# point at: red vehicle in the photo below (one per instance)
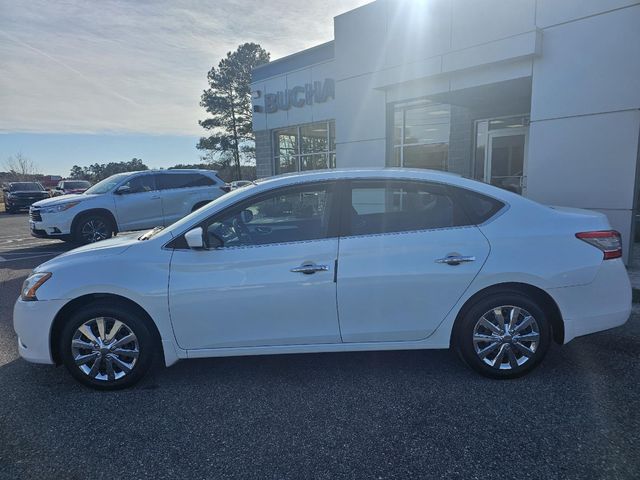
(65, 187)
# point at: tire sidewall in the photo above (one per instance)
(464, 333)
(137, 325)
(82, 219)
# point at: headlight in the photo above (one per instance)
(32, 284)
(10, 195)
(59, 208)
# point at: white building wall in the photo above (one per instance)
(585, 109)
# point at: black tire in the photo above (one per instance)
(132, 323)
(92, 228)
(491, 308)
(10, 211)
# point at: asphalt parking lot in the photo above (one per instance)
(418, 414)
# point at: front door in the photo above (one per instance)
(270, 282)
(138, 205)
(396, 278)
(505, 164)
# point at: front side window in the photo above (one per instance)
(183, 180)
(140, 184)
(305, 147)
(401, 206)
(291, 214)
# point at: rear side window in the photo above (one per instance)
(184, 180)
(478, 207)
(381, 206)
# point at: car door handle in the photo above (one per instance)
(456, 259)
(309, 268)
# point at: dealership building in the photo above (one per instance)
(541, 97)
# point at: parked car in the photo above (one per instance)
(20, 195)
(425, 260)
(125, 201)
(66, 187)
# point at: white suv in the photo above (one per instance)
(125, 201)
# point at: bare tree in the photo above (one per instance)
(21, 167)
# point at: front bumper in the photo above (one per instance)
(32, 323)
(48, 225)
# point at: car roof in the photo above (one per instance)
(390, 173)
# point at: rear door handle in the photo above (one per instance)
(309, 268)
(456, 259)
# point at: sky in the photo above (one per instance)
(84, 81)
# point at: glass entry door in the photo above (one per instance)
(506, 152)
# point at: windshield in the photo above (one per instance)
(77, 184)
(107, 184)
(25, 187)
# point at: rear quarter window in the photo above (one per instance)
(478, 207)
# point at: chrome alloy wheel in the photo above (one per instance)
(506, 337)
(94, 230)
(105, 349)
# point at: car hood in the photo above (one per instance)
(49, 202)
(104, 248)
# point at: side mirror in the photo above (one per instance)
(195, 238)
(123, 189)
(5, 190)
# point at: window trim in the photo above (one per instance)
(333, 226)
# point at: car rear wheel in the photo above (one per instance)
(106, 347)
(504, 335)
(92, 228)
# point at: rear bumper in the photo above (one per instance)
(603, 304)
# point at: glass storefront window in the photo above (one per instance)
(305, 147)
(421, 136)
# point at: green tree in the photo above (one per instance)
(228, 100)
(100, 171)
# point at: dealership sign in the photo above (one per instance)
(298, 96)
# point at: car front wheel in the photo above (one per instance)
(92, 228)
(504, 335)
(106, 347)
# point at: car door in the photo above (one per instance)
(138, 203)
(271, 280)
(395, 279)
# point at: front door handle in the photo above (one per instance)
(309, 268)
(456, 259)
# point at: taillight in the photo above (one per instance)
(608, 241)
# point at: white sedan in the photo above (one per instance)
(341, 260)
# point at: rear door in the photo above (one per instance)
(397, 275)
(181, 192)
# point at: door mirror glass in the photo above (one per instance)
(194, 238)
(123, 189)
